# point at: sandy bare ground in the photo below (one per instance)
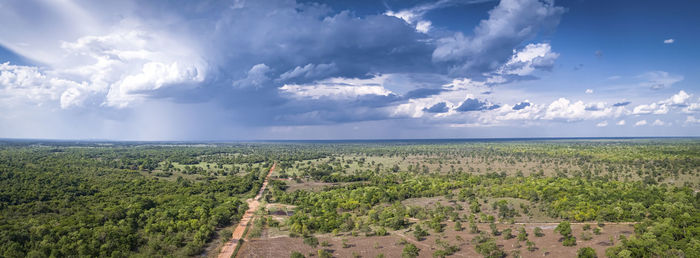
(550, 245)
(228, 248)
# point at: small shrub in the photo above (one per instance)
(538, 232)
(508, 233)
(570, 241)
(410, 251)
(296, 254)
(586, 252)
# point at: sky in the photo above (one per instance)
(305, 69)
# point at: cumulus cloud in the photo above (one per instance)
(602, 124)
(509, 24)
(338, 88)
(256, 77)
(621, 122)
(564, 109)
(669, 41)
(679, 99)
(27, 84)
(640, 123)
(530, 58)
(589, 91)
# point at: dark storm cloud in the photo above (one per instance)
(521, 105)
(437, 108)
(422, 93)
(621, 104)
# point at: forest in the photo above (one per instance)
(602, 198)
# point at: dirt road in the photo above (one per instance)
(227, 250)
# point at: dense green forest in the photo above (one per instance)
(172, 199)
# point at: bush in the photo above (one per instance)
(311, 241)
(226, 235)
(296, 254)
(324, 254)
(531, 246)
(538, 232)
(596, 231)
(419, 233)
(508, 233)
(570, 241)
(586, 252)
(586, 236)
(410, 251)
(522, 234)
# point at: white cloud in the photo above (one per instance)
(153, 76)
(621, 122)
(509, 24)
(528, 59)
(692, 107)
(309, 71)
(589, 91)
(566, 110)
(602, 124)
(654, 108)
(423, 26)
(679, 98)
(640, 123)
(416, 14)
(658, 122)
(338, 88)
(659, 79)
(662, 107)
(255, 77)
(669, 41)
(28, 85)
(692, 120)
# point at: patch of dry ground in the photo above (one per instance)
(275, 245)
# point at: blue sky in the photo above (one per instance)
(284, 69)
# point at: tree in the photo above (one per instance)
(522, 234)
(564, 228)
(419, 233)
(410, 251)
(296, 254)
(586, 252)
